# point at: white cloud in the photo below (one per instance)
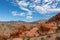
(57, 0)
(43, 9)
(46, 0)
(29, 13)
(25, 9)
(54, 5)
(40, 9)
(17, 14)
(22, 3)
(14, 13)
(46, 8)
(37, 1)
(29, 17)
(22, 14)
(32, 5)
(56, 10)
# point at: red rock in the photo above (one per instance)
(55, 18)
(32, 32)
(47, 28)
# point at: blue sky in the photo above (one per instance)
(28, 10)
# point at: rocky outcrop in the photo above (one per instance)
(24, 32)
(55, 18)
(47, 28)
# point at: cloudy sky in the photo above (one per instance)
(28, 10)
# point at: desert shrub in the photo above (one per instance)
(58, 27)
(42, 38)
(57, 38)
(49, 36)
(26, 38)
(2, 24)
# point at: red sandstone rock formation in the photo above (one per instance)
(23, 32)
(19, 32)
(32, 32)
(22, 29)
(46, 28)
(55, 18)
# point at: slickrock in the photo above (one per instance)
(47, 28)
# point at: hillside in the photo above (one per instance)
(55, 18)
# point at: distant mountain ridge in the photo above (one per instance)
(12, 21)
(34, 22)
